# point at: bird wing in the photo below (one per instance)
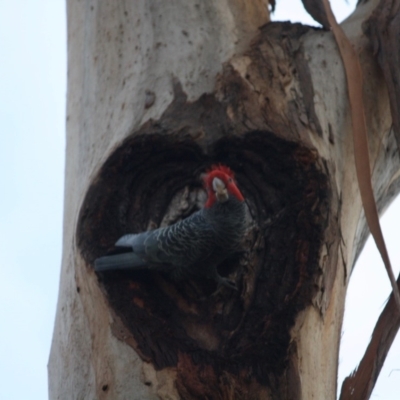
(185, 243)
(136, 242)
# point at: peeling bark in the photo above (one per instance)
(316, 9)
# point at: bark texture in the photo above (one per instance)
(157, 92)
(383, 29)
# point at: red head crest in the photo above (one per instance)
(226, 175)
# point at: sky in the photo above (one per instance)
(32, 120)
(32, 157)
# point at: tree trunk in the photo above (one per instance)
(157, 92)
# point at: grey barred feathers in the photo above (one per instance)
(192, 247)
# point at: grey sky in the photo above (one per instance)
(32, 112)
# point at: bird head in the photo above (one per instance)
(219, 182)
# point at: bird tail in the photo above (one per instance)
(124, 261)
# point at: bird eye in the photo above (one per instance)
(230, 180)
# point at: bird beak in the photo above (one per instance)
(220, 190)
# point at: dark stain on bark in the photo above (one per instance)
(307, 90)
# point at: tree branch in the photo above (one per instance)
(359, 385)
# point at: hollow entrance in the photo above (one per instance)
(154, 179)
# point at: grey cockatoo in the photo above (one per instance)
(194, 246)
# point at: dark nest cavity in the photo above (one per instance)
(154, 179)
